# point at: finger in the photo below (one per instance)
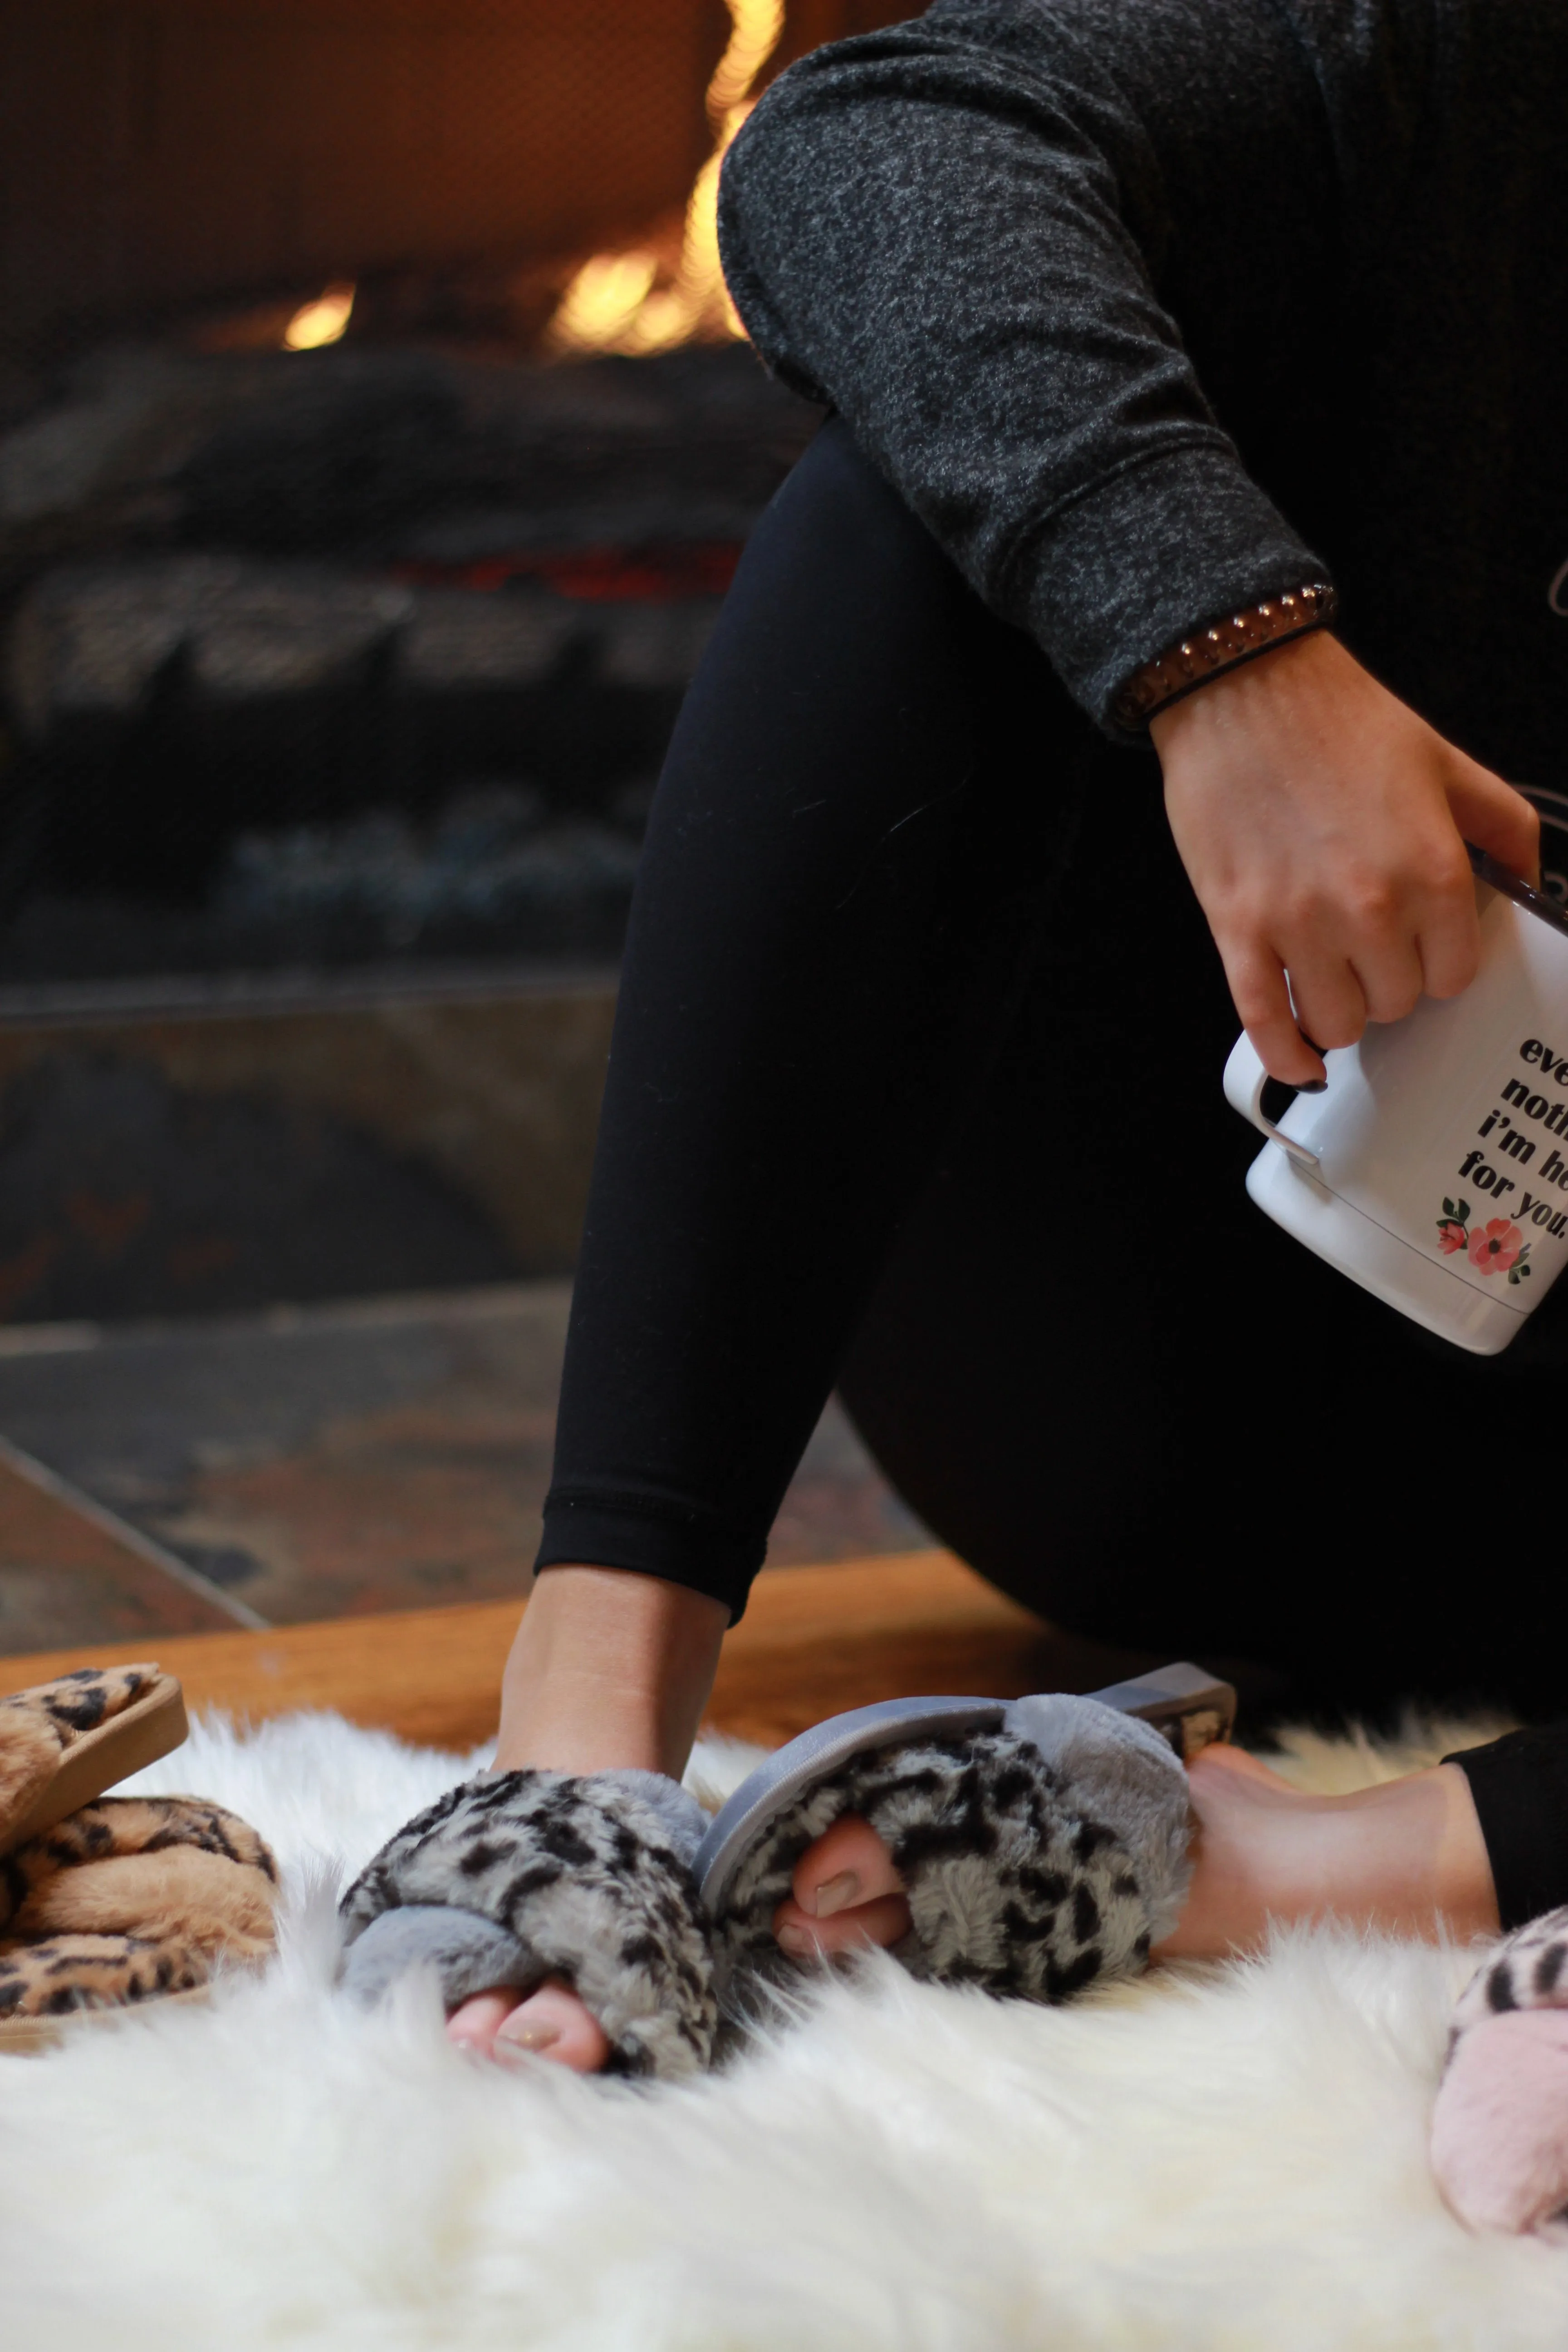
(1389, 973)
(847, 1864)
(553, 2023)
(1449, 944)
(869, 1925)
(1262, 1001)
(1330, 1004)
(1496, 818)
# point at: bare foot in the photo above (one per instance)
(1406, 1857)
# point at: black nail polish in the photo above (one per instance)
(1313, 1086)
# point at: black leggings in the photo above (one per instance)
(915, 1088)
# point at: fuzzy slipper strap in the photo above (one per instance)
(1034, 1865)
(129, 1899)
(587, 1876)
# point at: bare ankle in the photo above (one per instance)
(609, 1669)
(1405, 1858)
(1425, 1859)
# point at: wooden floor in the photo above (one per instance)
(814, 1640)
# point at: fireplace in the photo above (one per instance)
(374, 448)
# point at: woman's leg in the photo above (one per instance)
(863, 820)
(1090, 1358)
(854, 835)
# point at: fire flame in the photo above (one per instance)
(627, 301)
(325, 320)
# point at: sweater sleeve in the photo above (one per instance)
(952, 233)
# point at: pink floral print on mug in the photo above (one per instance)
(1496, 1247)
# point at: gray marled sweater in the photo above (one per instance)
(1153, 308)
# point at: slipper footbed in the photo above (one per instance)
(63, 1743)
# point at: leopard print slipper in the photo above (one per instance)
(1042, 1842)
(63, 1743)
(130, 1900)
(107, 1902)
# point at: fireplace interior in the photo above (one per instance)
(374, 449)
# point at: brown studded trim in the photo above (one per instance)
(1184, 667)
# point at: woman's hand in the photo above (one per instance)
(1323, 826)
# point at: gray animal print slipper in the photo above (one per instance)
(517, 1876)
(1042, 1842)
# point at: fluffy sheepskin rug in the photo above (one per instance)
(1214, 2159)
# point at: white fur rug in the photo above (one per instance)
(1229, 2159)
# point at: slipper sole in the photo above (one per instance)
(153, 1724)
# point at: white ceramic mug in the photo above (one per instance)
(1432, 1167)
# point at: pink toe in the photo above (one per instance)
(1499, 2130)
(554, 2025)
(473, 2025)
(848, 1863)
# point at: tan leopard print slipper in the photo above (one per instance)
(63, 1743)
(111, 1902)
(130, 1900)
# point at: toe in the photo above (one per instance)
(848, 1866)
(553, 2023)
(473, 2025)
(846, 1896)
(865, 1925)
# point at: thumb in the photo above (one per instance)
(1497, 819)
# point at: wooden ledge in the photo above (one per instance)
(813, 1642)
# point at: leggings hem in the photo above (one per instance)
(1520, 1785)
(651, 1540)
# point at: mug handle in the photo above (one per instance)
(1244, 1080)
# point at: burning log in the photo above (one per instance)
(633, 301)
